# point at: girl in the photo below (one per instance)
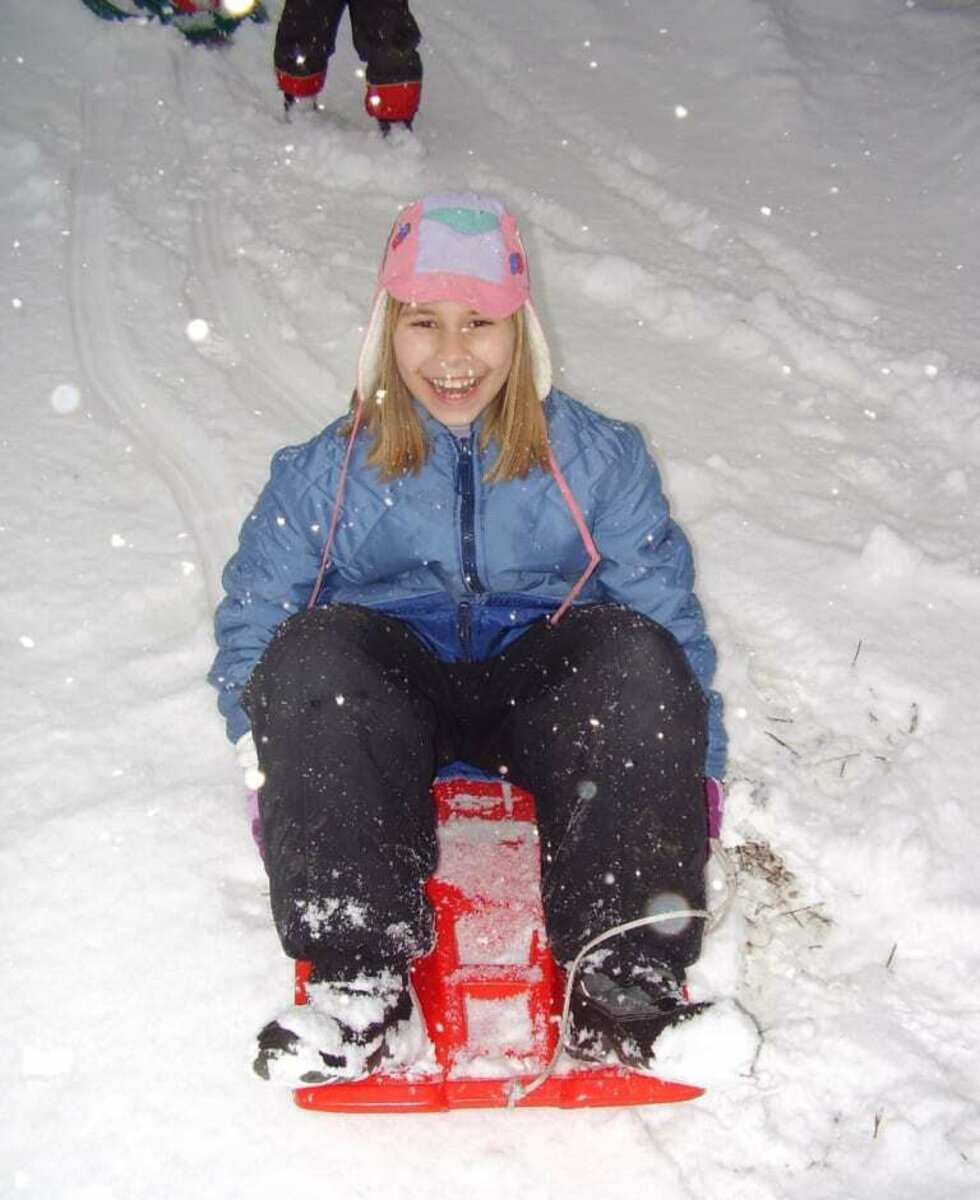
(470, 566)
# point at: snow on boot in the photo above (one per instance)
(624, 1012)
(347, 1030)
(716, 1050)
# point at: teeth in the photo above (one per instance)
(455, 385)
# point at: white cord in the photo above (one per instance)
(712, 919)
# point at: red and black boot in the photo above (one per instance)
(393, 103)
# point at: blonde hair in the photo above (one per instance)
(514, 419)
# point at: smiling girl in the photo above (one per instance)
(471, 567)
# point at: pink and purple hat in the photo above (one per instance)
(457, 246)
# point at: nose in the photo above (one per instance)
(453, 346)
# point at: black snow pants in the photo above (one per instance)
(599, 717)
(385, 35)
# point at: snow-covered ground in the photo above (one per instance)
(754, 228)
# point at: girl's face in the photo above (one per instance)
(452, 359)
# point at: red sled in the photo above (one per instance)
(490, 991)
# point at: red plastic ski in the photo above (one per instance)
(490, 991)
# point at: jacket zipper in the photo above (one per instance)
(466, 489)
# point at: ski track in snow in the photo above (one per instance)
(208, 497)
(278, 376)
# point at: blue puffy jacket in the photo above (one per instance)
(469, 566)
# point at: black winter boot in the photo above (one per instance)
(347, 1030)
(623, 1012)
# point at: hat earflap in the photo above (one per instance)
(540, 354)
(369, 361)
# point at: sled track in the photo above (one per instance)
(209, 498)
(279, 375)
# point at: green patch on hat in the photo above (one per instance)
(465, 220)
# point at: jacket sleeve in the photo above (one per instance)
(270, 576)
(647, 565)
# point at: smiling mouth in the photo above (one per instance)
(455, 391)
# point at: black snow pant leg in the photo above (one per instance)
(346, 739)
(602, 719)
(307, 35)
(386, 37)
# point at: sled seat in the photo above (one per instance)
(490, 991)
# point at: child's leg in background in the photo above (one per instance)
(386, 38)
(346, 730)
(601, 718)
(305, 39)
